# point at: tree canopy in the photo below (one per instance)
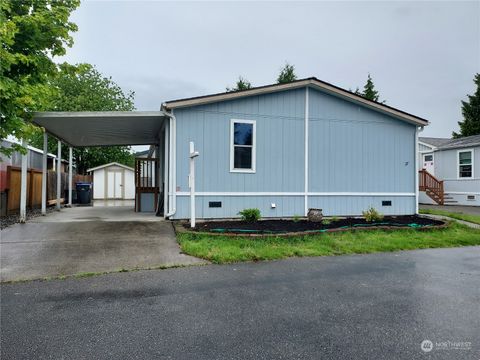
(84, 88)
(241, 84)
(369, 92)
(287, 74)
(31, 32)
(471, 113)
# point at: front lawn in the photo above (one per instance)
(227, 249)
(454, 215)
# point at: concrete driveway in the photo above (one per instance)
(88, 239)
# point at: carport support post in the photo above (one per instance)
(23, 184)
(44, 173)
(59, 174)
(70, 175)
(191, 178)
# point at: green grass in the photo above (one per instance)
(226, 249)
(454, 215)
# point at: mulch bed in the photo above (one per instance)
(290, 226)
(9, 220)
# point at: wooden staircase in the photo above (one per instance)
(432, 187)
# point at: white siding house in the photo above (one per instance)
(456, 162)
(113, 181)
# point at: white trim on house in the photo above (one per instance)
(254, 193)
(462, 193)
(471, 150)
(427, 145)
(252, 170)
(111, 164)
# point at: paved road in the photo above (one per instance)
(379, 306)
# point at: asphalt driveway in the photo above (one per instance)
(378, 306)
(88, 239)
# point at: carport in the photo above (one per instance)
(110, 128)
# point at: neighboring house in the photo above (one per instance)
(456, 162)
(281, 148)
(113, 181)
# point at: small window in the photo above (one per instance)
(465, 164)
(242, 151)
(428, 158)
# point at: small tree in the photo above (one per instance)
(471, 113)
(287, 74)
(369, 91)
(242, 84)
(84, 88)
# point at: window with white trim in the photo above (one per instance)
(242, 146)
(465, 164)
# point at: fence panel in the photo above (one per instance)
(34, 187)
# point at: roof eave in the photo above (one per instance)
(312, 82)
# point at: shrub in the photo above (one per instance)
(250, 215)
(326, 222)
(296, 218)
(372, 215)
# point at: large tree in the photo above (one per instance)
(471, 113)
(31, 32)
(369, 92)
(84, 88)
(287, 74)
(241, 84)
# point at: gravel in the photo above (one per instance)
(12, 219)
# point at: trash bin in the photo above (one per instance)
(83, 193)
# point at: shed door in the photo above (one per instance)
(115, 185)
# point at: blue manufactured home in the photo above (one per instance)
(287, 148)
(282, 148)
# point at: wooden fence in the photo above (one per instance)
(34, 187)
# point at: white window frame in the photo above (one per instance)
(426, 154)
(458, 164)
(252, 170)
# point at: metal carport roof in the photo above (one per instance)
(103, 128)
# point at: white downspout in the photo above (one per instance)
(417, 130)
(172, 176)
(306, 150)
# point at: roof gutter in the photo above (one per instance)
(172, 177)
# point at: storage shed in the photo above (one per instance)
(113, 181)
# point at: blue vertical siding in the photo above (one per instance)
(351, 149)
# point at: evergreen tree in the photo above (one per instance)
(287, 74)
(242, 84)
(369, 91)
(471, 113)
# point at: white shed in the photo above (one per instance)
(113, 181)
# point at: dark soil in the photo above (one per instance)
(284, 226)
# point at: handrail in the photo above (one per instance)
(432, 186)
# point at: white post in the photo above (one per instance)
(306, 151)
(23, 185)
(59, 174)
(70, 175)
(44, 173)
(191, 183)
(166, 182)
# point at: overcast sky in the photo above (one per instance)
(422, 56)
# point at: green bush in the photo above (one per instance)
(372, 215)
(250, 215)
